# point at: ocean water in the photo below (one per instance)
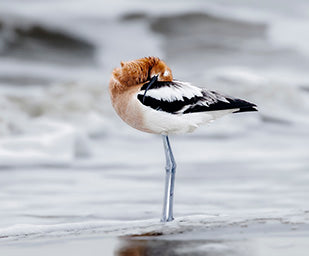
(69, 166)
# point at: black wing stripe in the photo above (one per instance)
(242, 105)
(167, 106)
(177, 105)
(207, 101)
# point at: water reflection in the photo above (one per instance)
(131, 246)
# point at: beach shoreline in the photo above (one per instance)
(262, 238)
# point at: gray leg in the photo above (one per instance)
(170, 168)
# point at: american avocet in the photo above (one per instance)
(147, 98)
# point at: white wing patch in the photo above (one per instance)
(211, 98)
(172, 93)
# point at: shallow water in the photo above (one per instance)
(55, 200)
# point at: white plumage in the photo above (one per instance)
(177, 92)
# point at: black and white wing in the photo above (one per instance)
(183, 98)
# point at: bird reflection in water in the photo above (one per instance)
(133, 246)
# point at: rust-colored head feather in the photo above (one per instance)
(142, 70)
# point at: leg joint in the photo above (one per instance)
(171, 167)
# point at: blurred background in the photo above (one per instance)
(66, 157)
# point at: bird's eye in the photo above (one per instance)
(166, 73)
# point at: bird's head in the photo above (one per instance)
(142, 70)
(161, 71)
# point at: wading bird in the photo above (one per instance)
(145, 95)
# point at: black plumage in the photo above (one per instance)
(185, 98)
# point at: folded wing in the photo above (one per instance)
(183, 98)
